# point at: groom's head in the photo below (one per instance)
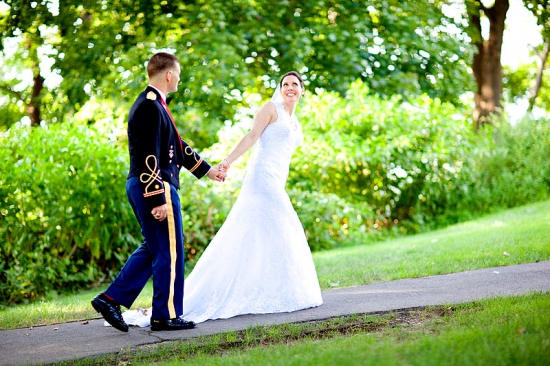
(163, 70)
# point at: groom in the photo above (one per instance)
(157, 153)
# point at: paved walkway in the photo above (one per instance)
(70, 341)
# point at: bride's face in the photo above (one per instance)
(291, 89)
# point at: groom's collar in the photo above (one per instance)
(159, 92)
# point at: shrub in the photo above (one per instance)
(405, 161)
(65, 221)
(369, 168)
(64, 218)
(414, 165)
(516, 170)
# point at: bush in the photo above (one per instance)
(65, 221)
(404, 161)
(414, 165)
(64, 218)
(516, 170)
(331, 221)
(369, 168)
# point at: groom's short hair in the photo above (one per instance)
(160, 62)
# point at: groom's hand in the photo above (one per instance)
(216, 174)
(159, 212)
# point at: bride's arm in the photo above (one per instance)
(264, 117)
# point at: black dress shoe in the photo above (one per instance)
(110, 312)
(172, 324)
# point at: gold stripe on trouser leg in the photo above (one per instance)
(173, 252)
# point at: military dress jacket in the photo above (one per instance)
(157, 152)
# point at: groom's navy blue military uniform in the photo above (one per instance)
(157, 153)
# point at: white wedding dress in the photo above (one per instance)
(259, 261)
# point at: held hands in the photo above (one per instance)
(224, 167)
(217, 174)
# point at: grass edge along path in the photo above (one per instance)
(512, 330)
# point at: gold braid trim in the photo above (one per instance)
(173, 250)
(196, 166)
(153, 193)
(190, 152)
(150, 178)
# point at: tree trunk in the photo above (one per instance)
(34, 105)
(486, 63)
(33, 108)
(540, 70)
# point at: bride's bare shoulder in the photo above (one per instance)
(268, 110)
(269, 106)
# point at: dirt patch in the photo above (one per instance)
(414, 318)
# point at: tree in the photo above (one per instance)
(31, 41)
(81, 37)
(230, 49)
(486, 64)
(541, 10)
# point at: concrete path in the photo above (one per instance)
(71, 341)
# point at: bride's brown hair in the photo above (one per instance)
(293, 73)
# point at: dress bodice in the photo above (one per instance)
(270, 161)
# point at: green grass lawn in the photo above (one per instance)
(499, 331)
(510, 331)
(520, 235)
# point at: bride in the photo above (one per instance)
(259, 261)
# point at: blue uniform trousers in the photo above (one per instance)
(160, 255)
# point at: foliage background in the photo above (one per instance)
(389, 149)
(369, 168)
(227, 50)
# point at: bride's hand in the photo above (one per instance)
(224, 165)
